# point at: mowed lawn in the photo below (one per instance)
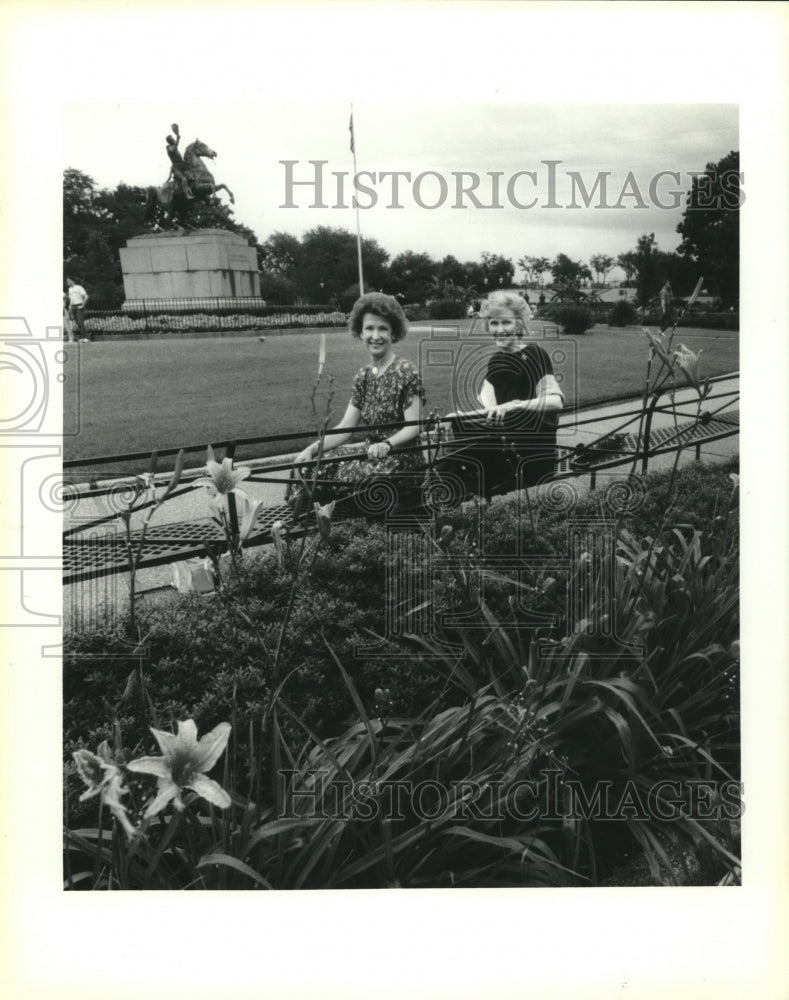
(138, 395)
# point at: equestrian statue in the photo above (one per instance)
(189, 181)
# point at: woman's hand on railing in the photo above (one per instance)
(379, 449)
(306, 455)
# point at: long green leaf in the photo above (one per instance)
(209, 860)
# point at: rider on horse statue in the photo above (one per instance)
(190, 183)
(178, 167)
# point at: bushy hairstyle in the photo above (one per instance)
(383, 306)
(498, 302)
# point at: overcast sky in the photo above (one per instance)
(630, 143)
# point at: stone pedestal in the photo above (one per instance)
(207, 263)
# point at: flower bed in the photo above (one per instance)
(650, 703)
(118, 322)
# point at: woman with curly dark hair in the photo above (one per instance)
(387, 390)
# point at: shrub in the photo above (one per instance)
(446, 309)
(276, 290)
(623, 314)
(416, 312)
(574, 320)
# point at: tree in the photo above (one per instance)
(280, 255)
(710, 227)
(526, 264)
(81, 217)
(540, 266)
(474, 275)
(601, 265)
(498, 270)
(629, 264)
(565, 269)
(95, 226)
(410, 276)
(647, 274)
(682, 272)
(277, 290)
(450, 269)
(329, 263)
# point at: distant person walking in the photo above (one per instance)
(68, 323)
(78, 297)
(666, 310)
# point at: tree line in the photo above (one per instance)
(320, 267)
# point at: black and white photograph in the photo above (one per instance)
(376, 499)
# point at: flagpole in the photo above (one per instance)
(356, 201)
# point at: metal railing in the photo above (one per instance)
(87, 556)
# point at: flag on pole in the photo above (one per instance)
(350, 129)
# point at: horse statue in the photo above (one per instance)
(185, 185)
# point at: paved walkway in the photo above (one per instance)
(110, 594)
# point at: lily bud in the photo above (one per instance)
(279, 542)
(178, 469)
(131, 686)
(657, 346)
(323, 516)
(248, 521)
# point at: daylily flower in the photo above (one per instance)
(96, 770)
(194, 576)
(222, 477)
(183, 764)
(103, 777)
(689, 363)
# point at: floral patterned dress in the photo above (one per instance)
(380, 399)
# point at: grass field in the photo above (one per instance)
(138, 395)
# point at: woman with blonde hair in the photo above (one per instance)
(519, 394)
